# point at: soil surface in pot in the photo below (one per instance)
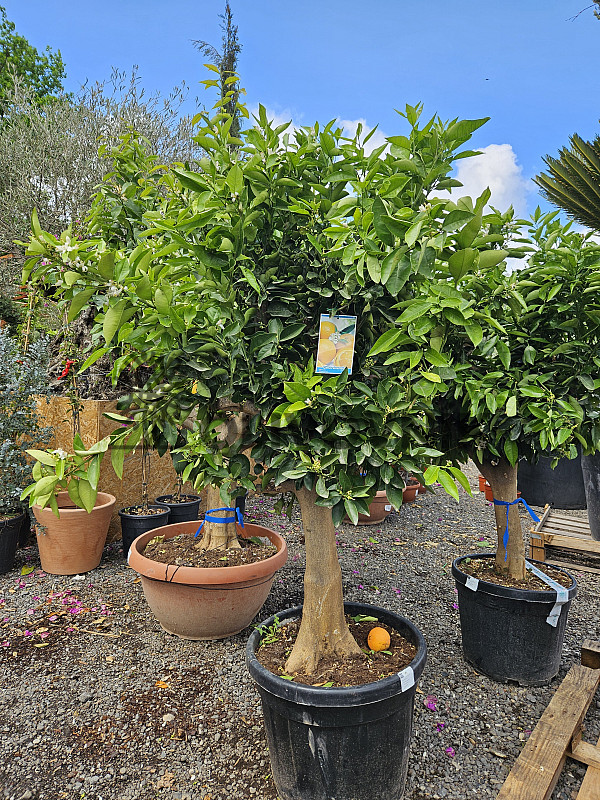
(334, 673)
(486, 571)
(173, 500)
(184, 551)
(138, 511)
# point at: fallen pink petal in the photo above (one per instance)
(450, 751)
(430, 702)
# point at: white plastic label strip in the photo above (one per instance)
(407, 678)
(562, 594)
(472, 583)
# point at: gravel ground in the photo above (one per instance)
(97, 701)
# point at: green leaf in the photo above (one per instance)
(351, 510)
(491, 258)
(112, 320)
(461, 262)
(503, 353)
(79, 301)
(394, 495)
(415, 310)
(412, 234)
(235, 179)
(87, 494)
(474, 332)
(511, 406)
(106, 265)
(447, 484)
(431, 376)
(93, 471)
(44, 457)
(143, 288)
(511, 451)
(386, 342)
(374, 268)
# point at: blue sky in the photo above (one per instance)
(524, 63)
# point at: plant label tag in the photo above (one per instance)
(407, 678)
(472, 583)
(388, 508)
(335, 352)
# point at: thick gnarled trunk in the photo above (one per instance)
(323, 630)
(502, 477)
(216, 535)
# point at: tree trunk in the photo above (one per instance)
(323, 630)
(216, 535)
(502, 477)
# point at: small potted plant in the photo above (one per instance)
(144, 516)
(22, 378)
(72, 514)
(183, 507)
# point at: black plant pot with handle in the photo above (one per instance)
(352, 742)
(10, 530)
(561, 487)
(133, 525)
(590, 467)
(181, 512)
(511, 634)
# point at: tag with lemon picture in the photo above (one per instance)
(336, 344)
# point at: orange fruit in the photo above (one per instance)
(326, 351)
(343, 358)
(378, 639)
(327, 328)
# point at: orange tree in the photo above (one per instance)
(221, 292)
(525, 371)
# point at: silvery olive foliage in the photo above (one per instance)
(22, 378)
(50, 159)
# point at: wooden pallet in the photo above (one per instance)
(558, 736)
(568, 533)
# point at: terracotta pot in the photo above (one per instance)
(73, 543)
(211, 602)
(482, 483)
(379, 509)
(411, 490)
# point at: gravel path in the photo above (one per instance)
(96, 701)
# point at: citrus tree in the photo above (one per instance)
(221, 294)
(523, 371)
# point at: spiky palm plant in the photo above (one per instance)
(573, 182)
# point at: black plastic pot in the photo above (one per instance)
(590, 467)
(240, 502)
(505, 633)
(133, 525)
(562, 487)
(10, 530)
(350, 743)
(181, 512)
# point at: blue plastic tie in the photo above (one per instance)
(237, 517)
(532, 514)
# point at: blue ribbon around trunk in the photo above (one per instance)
(506, 503)
(237, 517)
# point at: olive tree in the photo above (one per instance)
(221, 293)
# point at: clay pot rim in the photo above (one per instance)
(110, 501)
(195, 576)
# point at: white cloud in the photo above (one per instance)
(350, 127)
(497, 168)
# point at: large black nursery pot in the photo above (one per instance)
(561, 487)
(349, 743)
(511, 634)
(10, 531)
(590, 466)
(133, 525)
(181, 512)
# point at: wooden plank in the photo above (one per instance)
(572, 530)
(536, 771)
(544, 517)
(567, 542)
(590, 788)
(590, 654)
(575, 567)
(576, 534)
(585, 753)
(578, 522)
